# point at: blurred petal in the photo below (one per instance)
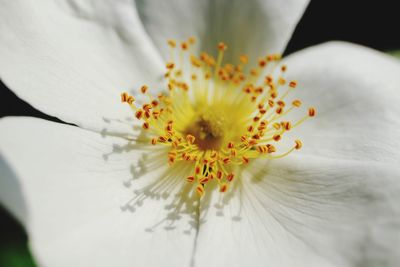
(72, 59)
(356, 92)
(304, 211)
(80, 210)
(252, 27)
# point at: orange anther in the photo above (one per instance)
(184, 46)
(244, 59)
(170, 65)
(311, 112)
(145, 125)
(172, 43)
(223, 187)
(144, 88)
(293, 84)
(124, 97)
(276, 137)
(192, 40)
(139, 114)
(154, 141)
(200, 190)
(222, 46)
(298, 145)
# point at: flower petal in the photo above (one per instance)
(356, 92)
(304, 211)
(252, 27)
(79, 208)
(72, 59)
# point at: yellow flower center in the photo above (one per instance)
(216, 116)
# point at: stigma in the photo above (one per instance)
(218, 116)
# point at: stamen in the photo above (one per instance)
(215, 116)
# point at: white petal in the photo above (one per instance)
(252, 27)
(76, 211)
(356, 92)
(72, 59)
(305, 211)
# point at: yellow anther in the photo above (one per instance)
(283, 68)
(192, 40)
(281, 81)
(190, 139)
(296, 103)
(195, 61)
(276, 125)
(244, 59)
(172, 43)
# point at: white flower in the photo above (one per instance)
(335, 203)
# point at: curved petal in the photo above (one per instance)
(333, 203)
(356, 92)
(72, 59)
(304, 211)
(252, 27)
(92, 200)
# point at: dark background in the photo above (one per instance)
(371, 23)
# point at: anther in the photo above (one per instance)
(143, 89)
(170, 65)
(172, 43)
(190, 139)
(311, 112)
(145, 125)
(296, 103)
(200, 190)
(222, 46)
(293, 84)
(276, 137)
(298, 145)
(223, 187)
(184, 46)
